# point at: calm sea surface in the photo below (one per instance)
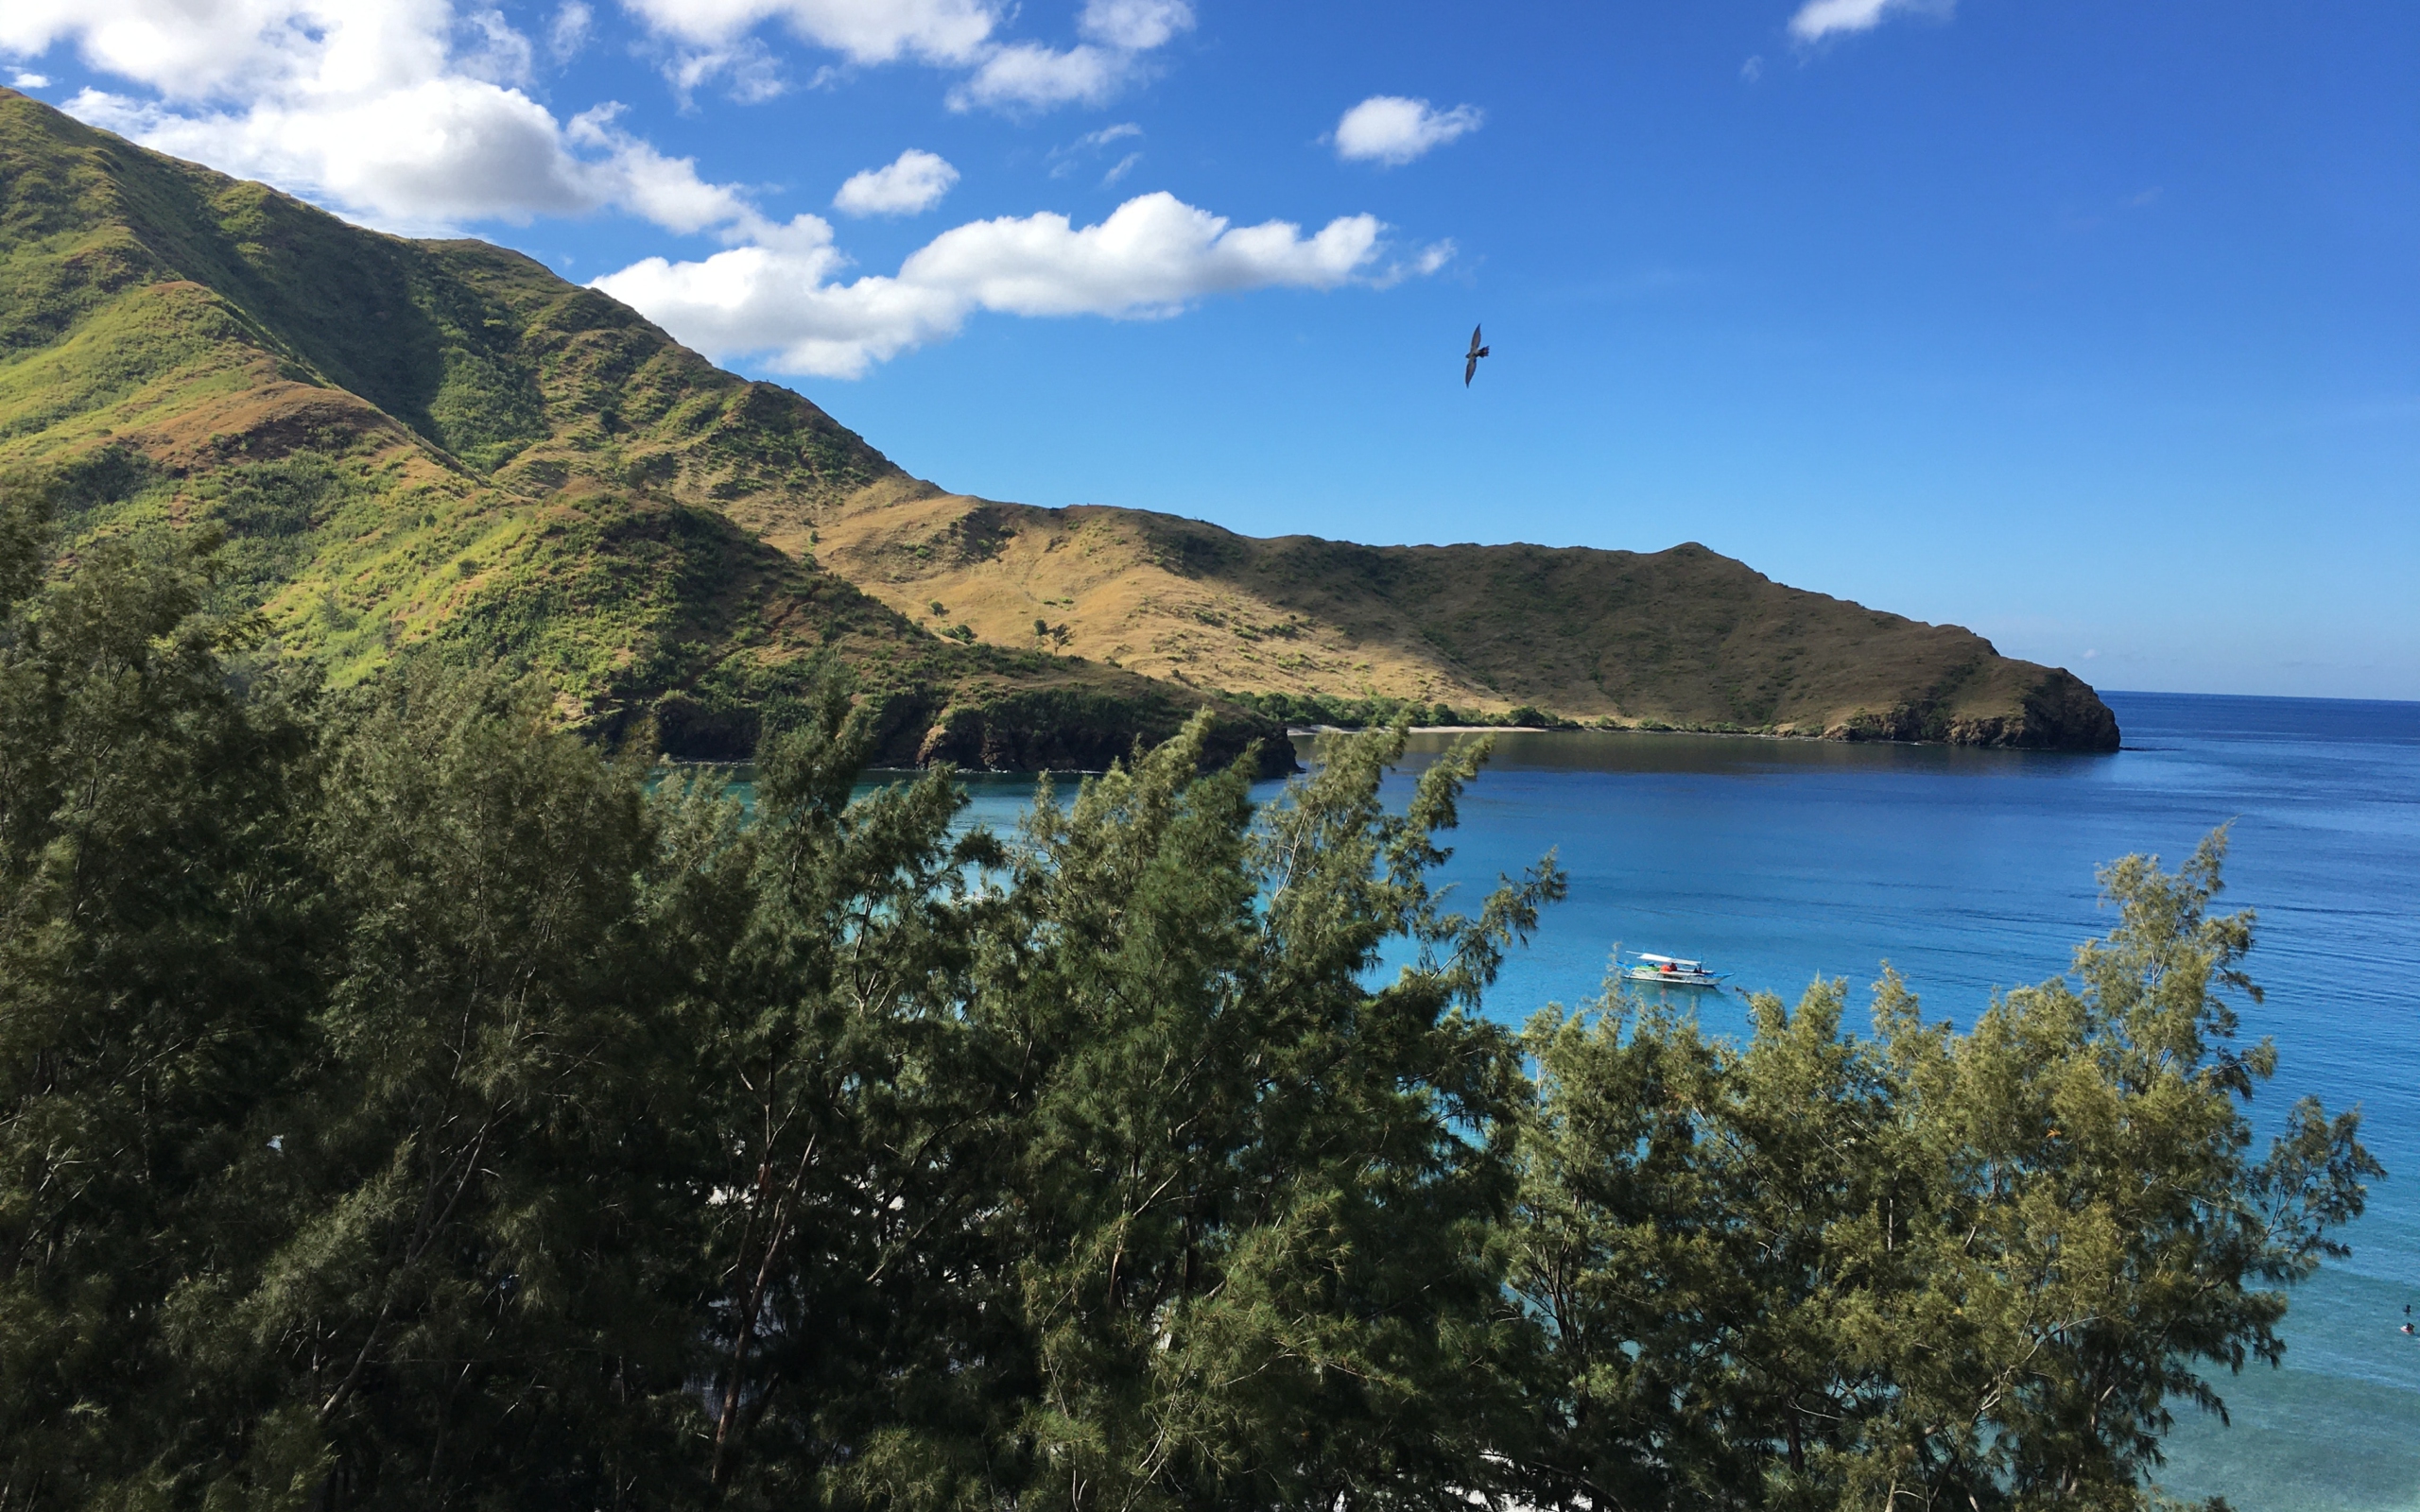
(1784, 860)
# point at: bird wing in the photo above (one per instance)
(1474, 338)
(1470, 366)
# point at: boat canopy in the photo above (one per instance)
(1671, 960)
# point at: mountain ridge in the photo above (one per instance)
(441, 443)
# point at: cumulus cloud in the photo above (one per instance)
(1818, 19)
(782, 300)
(1393, 130)
(913, 183)
(1029, 76)
(1151, 257)
(25, 81)
(409, 115)
(420, 157)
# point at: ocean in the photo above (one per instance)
(1785, 861)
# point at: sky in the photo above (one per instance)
(2094, 328)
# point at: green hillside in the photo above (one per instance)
(441, 443)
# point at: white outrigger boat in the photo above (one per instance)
(1671, 970)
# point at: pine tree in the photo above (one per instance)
(157, 917)
(1252, 1198)
(1925, 1267)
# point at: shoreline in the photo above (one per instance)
(1297, 730)
(1598, 729)
(1314, 732)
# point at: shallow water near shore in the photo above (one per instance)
(1782, 861)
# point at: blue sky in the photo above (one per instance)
(2091, 327)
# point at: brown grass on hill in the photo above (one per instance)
(1125, 594)
(1684, 637)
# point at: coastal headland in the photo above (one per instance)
(443, 445)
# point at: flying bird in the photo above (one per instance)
(1470, 358)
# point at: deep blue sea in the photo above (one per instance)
(1782, 861)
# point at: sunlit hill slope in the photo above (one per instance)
(413, 443)
(1679, 639)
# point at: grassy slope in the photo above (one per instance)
(441, 442)
(1682, 638)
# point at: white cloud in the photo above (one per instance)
(1120, 169)
(406, 114)
(423, 157)
(1088, 148)
(31, 81)
(863, 31)
(1028, 76)
(1425, 262)
(1818, 19)
(1151, 257)
(713, 37)
(755, 73)
(498, 54)
(757, 299)
(573, 25)
(1135, 25)
(910, 184)
(1391, 130)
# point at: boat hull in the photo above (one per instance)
(1673, 978)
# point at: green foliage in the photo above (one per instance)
(1379, 712)
(403, 1106)
(25, 506)
(157, 915)
(1968, 1269)
(1237, 1162)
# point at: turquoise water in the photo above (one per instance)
(1970, 871)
